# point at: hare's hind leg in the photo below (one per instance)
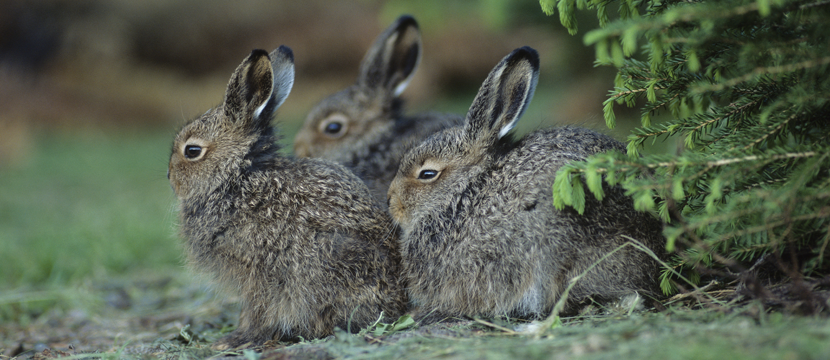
(251, 331)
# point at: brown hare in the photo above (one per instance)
(301, 240)
(481, 236)
(362, 126)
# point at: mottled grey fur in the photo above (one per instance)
(481, 236)
(301, 240)
(374, 134)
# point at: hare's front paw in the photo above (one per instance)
(235, 340)
(424, 315)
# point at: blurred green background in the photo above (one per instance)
(92, 92)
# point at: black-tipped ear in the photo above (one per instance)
(250, 88)
(391, 61)
(282, 63)
(503, 97)
(259, 86)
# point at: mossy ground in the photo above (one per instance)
(158, 316)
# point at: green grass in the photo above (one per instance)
(672, 335)
(87, 204)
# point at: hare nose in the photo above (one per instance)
(300, 149)
(389, 195)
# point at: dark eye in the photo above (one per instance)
(192, 151)
(333, 128)
(427, 174)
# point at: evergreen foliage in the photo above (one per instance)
(745, 85)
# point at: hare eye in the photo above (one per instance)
(431, 170)
(192, 151)
(334, 126)
(427, 174)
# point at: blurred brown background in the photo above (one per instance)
(103, 65)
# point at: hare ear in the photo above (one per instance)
(391, 61)
(504, 96)
(251, 98)
(282, 63)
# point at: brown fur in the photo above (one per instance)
(301, 240)
(481, 236)
(374, 134)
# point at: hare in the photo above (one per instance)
(301, 240)
(480, 234)
(362, 126)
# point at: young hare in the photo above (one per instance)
(481, 236)
(362, 126)
(302, 241)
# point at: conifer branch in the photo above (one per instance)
(763, 71)
(737, 110)
(746, 83)
(815, 4)
(768, 134)
(723, 162)
(629, 92)
(823, 213)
